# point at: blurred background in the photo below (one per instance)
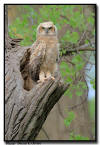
(73, 117)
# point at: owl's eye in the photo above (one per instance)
(50, 28)
(43, 28)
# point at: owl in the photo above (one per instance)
(44, 53)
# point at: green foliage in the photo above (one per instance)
(71, 37)
(91, 20)
(66, 72)
(92, 108)
(86, 41)
(92, 82)
(22, 28)
(77, 137)
(67, 121)
(64, 66)
(25, 25)
(69, 73)
(69, 118)
(76, 89)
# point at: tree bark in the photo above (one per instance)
(26, 111)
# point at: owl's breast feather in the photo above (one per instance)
(51, 54)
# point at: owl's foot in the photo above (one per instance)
(45, 79)
(41, 81)
(41, 77)
(50, 77)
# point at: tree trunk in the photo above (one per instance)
(26, 111)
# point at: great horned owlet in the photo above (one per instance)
(45, 49)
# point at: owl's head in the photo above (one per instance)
(47, 29)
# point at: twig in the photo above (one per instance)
(64, 17)
(88, 76)
(85, 47)
(77, 105)
(81, 48)
(66, 59)
(87, 59)
(82, 37)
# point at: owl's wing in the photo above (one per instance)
(36, 59)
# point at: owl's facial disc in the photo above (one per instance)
(47, 29)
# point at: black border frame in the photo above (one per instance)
(96, 99)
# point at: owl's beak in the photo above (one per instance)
(46, 30)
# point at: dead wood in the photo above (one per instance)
(26, 109)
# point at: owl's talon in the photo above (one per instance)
(40, 81)
(46, 78)
(52, 78)
(45, 47)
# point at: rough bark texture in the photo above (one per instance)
(26, 111)
(81, 124)
(26, 106)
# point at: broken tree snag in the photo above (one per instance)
(26, 106)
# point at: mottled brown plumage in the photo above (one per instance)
(44, 53)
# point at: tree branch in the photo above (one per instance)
(85, 47)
